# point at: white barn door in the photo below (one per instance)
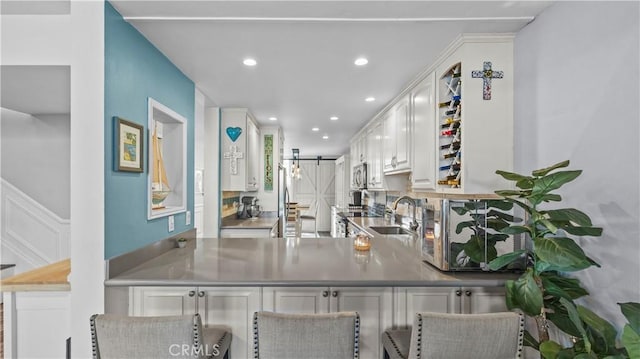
(316, 186)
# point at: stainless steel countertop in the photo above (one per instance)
(391, 261)
(250, 223)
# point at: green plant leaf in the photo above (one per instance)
(512, 193)
(511, 295)
(510, 176)
(550, 197)
(631, 341)
(516, 230)
(560, 286)
(585, 356)
(492, 238)
(631, 311)
(525, 183)
(563, 254)
(475, 249)
(560, 318)
(465, 224)
(583, 231)
(544, 171)
(460, 210)
(550, 349)
(501, 215)
(553, 181)
(602, 327)
(569, 214)
(530, 341)
(528, 294)
(577, 322)
(499, 204)
(505, 259)
(522, 205)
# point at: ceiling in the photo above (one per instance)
(36, 90)
(305, 52)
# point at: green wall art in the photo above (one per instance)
(268, 162)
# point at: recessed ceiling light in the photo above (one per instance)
(370, 99)
(315, 129)
(361, 61)
(273, 119)
(325, 137)
(250, 62)
(333, 118)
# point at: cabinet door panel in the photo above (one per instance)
(424, 135)
(412, 300)
(375, 306)
(403, 135)
(161, 301)
(296, 300)
(233, 309)
(389, 142)
(477, 300)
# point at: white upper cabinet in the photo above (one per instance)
(240, 148)
(452, 127)
(397, 138)
(423, 176)
(375, 177)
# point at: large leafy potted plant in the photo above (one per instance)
(543, 291)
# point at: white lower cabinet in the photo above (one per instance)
(230, 307)
(374, 304)
(380, 308)
(467, 300)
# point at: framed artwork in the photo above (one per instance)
(268, 162)
(129, 141)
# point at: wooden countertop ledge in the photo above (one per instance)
(52, 277)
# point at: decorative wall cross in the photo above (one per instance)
(487, 74)
(233, 155)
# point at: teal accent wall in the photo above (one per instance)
(134, 71)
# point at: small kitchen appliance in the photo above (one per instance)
(244, 209)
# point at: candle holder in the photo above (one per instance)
(362, 242)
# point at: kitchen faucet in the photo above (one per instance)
(414, 224)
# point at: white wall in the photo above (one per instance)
(87, 170)
(576, 98)
(35, 157)
(76, 40)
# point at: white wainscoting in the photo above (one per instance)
(32, 235)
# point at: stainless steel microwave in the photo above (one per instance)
(451, 228)
(359, 177)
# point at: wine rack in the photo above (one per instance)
(450, 129)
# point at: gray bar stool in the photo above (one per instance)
(296, 336)
(458, 336)
(117, 337)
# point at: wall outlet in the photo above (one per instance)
(172, 225)
(188, 218)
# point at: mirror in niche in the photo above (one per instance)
(167, 176)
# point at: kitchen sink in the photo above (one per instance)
(391, 230)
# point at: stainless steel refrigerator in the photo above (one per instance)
(283, 199)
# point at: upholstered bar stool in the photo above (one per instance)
(170, 337)
(309, 336)
(458, 336)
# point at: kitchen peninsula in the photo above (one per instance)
(227, 279)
